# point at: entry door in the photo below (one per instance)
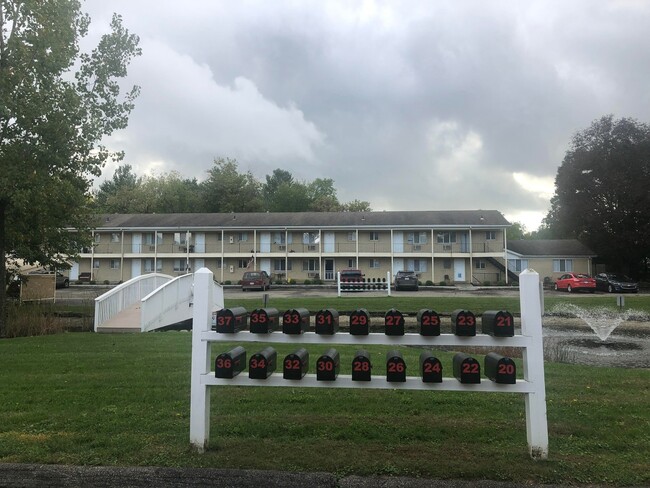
(265, 264)
(198, 264)
(329, 244)
(74, 272)
(329, 269)
(398, 265)
(136, 244)
(199, 242)
(398, 241)
(459, 270)
(136, 268)
(265, 242)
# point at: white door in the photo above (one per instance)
(265, 264)
(136, 243)
(265, 242)
(199, 243)
(464, 242)
(398, 241)
(459, 270)
(198, 264)
(329, 243)
(136, 268)
(74, 272)
(398, 265)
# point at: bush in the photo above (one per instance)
(501, 283)
(106, 282)
(92, 282)
(227, 282)
(443, 283)
(307, 282)
(291, 282)
(429, 283)
(317, 281)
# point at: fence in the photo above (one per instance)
(343, 284)
(530, 340)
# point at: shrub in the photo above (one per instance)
(487, 283)
(92, 282)
(227, 282)
(307, 282)
(429, 283)
(317, 281)
(106, 282)
(291, 282)
(501, 283)
(443, 283)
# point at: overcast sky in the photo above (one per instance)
(410, 105)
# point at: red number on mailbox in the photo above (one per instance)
(470, 368)
(430, 320)
(432, 367)
(506, 368)
(325, 366)
(396, 367)
(258, 363)
(361, 366)
(358, 320)
(504, 321)
(223, 363)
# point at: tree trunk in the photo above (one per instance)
(3, 271)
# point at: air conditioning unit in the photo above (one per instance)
(152, 248)
(312, 275)
(417, 247)
(232, 269)
(231, 239)
(311, 248)
(282, 247)
(446, 247)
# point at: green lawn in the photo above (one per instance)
(83, 398)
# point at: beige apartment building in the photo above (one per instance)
(453, 246)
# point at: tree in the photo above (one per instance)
(227, 190)
(356, 206)
(323, 196)
(601, 192)
(51, 126)
(516, 231)
(116, 195)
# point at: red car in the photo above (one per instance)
(575, 281)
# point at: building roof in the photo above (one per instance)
(550, 247)
(443, 219)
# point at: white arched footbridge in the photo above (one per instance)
(149, 302)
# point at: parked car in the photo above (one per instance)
(576, 281)
(259, 280)
(351, 276)
(613, 282)
(406, 280)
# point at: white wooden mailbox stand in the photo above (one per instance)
(530, 340)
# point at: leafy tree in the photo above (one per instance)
(273, 182)
(356, 206)
(290, 197)
(323, 196)
(117, 194)
(601, 192)
(51, 125)
(516, 231)
(227, 190)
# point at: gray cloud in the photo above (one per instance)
(409, 105)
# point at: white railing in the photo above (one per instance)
(172, 303)
(123, 296)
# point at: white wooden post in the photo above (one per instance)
(338, 283)
(531, 325)
(200, 397)
(388, 282)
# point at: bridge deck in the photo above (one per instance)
(128, 320)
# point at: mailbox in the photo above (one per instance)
(230, 364)
(360, 322)
(264, 320)
(230, 320)
(498, 323)
(328, 365)
(466, 368)
(463, 323)
(361, 366)
(394, 323)
(295, 321)
(262, 364)
(296, 365)
(327, 321)
(395, 367)
(500, 369)
(430, 368)
(428, 322)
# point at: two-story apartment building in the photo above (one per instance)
(453, 246)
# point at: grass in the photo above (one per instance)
(123, 400)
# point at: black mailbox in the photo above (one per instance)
(262, 364)
(394, 323)
(466, 368)
(395, 367)
(361, 366)
(231, 320)
(327, 321)
(230, 364)
(428, 322)
(463, 323)
(328, 365)
(296, 365)
(295, 321)
(500, 369)
(360, 322)
(498, 323)
(264, 320)
(430, 368)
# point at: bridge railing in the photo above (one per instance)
(123, 296)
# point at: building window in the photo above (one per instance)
(281, 265)
(148, 238)
(350, 263)
(352, 236)
(98, 238)
(417, 238)
(517, 265)
(310, 265)
(96, 264)
(115, 264)
(150, 263)
(310, 238)
(219, 263)
(446, 237)
(180, 265)
(418, 265)
(374, 236)
(374, 263)
(490, 235)
(242, 263)
(562, 265)
(115, 237)
(242, 237)
(446, 263)
(179, 238)
(479, 264)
